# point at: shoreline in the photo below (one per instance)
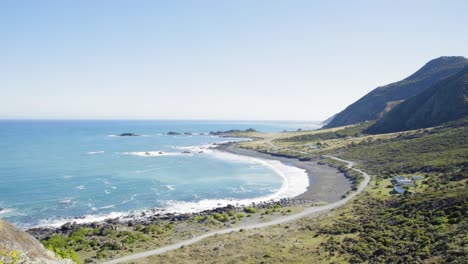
(312, 211)
(326, 184)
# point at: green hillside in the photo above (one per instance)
(381, 99)
(426, 225)
(445, 101)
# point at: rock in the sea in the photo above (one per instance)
(128, 135)
(187, 133)
(173, 133)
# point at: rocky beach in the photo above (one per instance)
(326, 185)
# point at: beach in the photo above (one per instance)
(326, 184)
(313, 211)
(323, 191)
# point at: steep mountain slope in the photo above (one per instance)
(328, 120)
(22, 247)
(445, 101)
(383, 98)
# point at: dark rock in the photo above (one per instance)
(173, 133)
(41, 233)
(128, 135)
(66, 227)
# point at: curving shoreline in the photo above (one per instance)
(326, 184)
(308, 212)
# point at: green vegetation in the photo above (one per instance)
(92, 245)
(157, 229)
(439, 151)
(375, 103)
(409, 229)
(378, 226)
(59, 245)
(11, 257)
(352, 131)
(445, 101)
(250, 210)
(221, 217)
(100, 243)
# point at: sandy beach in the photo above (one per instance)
(326, 184)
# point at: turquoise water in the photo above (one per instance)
(56, 170)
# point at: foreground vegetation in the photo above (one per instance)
(428, 225)
(91, 245)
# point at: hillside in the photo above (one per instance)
(17, 246)
(382, 99)
(445, 101)
(379, 226)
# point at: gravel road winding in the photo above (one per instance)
(280, 220)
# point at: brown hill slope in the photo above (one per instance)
(23, 246)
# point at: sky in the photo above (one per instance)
(213, 59)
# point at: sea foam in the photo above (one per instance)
(154, 153)
(94, 152)
(55, 223)
(295, 182)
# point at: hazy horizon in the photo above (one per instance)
(213, 60)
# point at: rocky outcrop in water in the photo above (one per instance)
(128, 135)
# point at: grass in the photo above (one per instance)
(377, 226)
(87, 245)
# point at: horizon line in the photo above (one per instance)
(157, 119)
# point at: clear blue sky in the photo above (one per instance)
(277, 60)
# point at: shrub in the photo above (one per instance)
(221, 217)
(250, 210)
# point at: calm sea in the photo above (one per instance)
(52, 171)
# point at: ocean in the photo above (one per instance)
(53, 172)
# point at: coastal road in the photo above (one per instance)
(280, 220)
